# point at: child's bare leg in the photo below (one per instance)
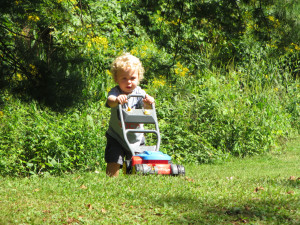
(112, 169)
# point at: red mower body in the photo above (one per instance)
(152, 163)
(157, 166)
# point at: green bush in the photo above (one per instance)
(211, 118)
(35, 140)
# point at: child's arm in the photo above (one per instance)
(148, 101)
(113, 101)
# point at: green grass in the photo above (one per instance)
(257, 190)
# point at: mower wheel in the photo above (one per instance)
(174, 170)
(177, 170)
(181, 170)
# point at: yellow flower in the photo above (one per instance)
(181, 70)
(100, 41)
(108, 72)
(184, 71)
(33, 69)
(19, 77)
(133, 52)
(272, 46)
(271, 18)
(33, 18)
(160, 19)
(159, 82)
(174, 22)
(89, 44)
(1, 114)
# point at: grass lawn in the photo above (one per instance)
(256, 190)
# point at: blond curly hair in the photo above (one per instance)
(127, 62)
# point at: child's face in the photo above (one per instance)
(127, 80)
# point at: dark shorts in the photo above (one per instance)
(115, 152)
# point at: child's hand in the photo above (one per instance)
(148, 100)
(122, 99)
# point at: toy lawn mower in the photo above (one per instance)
(146, 159)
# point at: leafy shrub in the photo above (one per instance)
(208, 119)
(34, 140)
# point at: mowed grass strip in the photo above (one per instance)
(255, 190)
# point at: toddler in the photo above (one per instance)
(127, 72)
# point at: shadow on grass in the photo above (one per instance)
(202, 211)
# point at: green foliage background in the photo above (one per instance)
(225, 75)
